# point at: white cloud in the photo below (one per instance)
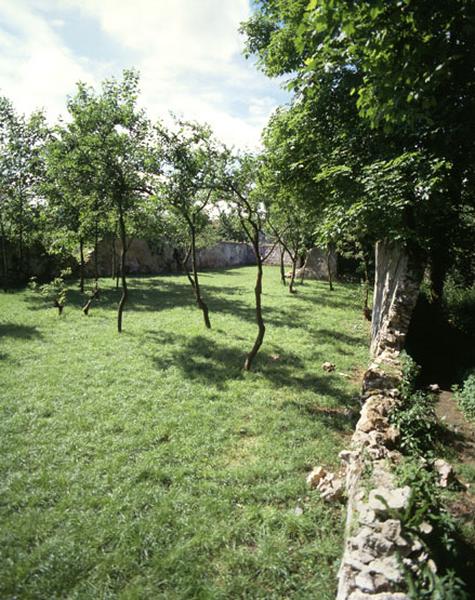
(187, 51)
(36, 69)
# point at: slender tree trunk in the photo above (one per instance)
(81, 265)
(123, 239)
(292, 275)
(196, 287)
(114, 258)
(261, 328)
(184, 264)
(96, 248)
(438, 270)
(93, 296)
(302, 269)
(4, 257)
(366, 309)
(294, 258)
(59, 306)
(20, 247)
(282, 265)
(330, 274)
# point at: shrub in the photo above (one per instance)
(466, 396)
(459, 303)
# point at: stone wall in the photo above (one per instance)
(397, 281)
(226, 254)
(141, 259)
(274, 257)
(317, 263)
(377, 548)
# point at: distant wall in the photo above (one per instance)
(141, 259)
(274, 256)
(226, 254)
(317, 264)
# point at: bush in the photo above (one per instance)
(417, 424)
(459, 303)
(466, 397)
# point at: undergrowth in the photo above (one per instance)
(426, 517)
(465, 395)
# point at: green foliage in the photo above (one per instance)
(416, 421)
(55, 291)
(383, 98)
(459, 303)
(415, 416)
(426, 507)
(149, 465)
(465, 395)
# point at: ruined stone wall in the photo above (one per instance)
(274, 257)
(397, 281)
(141, 259)
(377, 548)
(226, 254)
(317, 264)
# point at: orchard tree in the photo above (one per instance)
(104, 152)
(21, 169)
(239, 179)
(188, 179)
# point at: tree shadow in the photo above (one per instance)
(21, 332)
(339, 418)
(214, 364)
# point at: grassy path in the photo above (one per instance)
(148, 465)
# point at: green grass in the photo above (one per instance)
(149, 465)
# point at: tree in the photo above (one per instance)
(409, 66)
(104, 151)
(189, 177)
(21, 168)
(238, 178)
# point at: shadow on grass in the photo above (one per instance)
(212, 364)
(21, 332)
(174, 291)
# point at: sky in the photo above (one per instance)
(188, 53)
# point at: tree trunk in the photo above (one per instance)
(294, 257)
(330, 273)
(59, 306)
(93, 296)
(438, 270)
(96, 246)
(302, 268)
(282, 265)
(123, 239)
(366, 284)
(4, 258)
(258, 295)
(196, 287)
(184, 264)
(292, 275)
(398, 278)
(114, 259)
(81, 265)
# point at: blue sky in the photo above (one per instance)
(187, 51)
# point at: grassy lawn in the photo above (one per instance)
(149, 465)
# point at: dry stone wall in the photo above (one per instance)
(377, 549)
(318, 264)
(141, 259)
